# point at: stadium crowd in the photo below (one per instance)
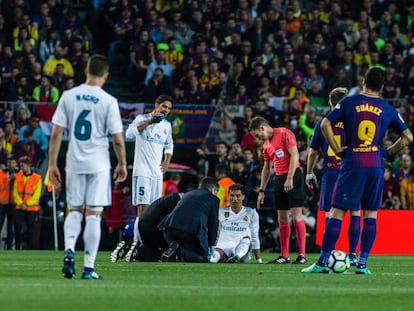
(225, 53)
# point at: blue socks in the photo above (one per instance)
(354, 232)
(369, 233)
(331, 235)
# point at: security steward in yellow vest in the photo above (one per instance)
(7, 208)
(26, 194)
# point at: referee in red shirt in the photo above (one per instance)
(280, 148)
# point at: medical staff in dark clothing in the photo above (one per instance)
(191, 228)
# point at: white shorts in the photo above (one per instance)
(230, 248)
(145, 190)
(88, 189)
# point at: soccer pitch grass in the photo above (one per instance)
(31, 280)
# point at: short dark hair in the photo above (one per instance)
(375, 78)
(208, 183)
(162, 98)
(221, 169)
(236, 187)
(98, 65)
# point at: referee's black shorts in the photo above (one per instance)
(295, 197)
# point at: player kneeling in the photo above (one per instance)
(238, 231)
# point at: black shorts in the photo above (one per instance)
(295, 197)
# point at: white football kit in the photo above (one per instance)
(90, 114)
(234, 227)
(150, 145)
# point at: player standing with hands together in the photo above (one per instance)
(90, 114)
(280, 148)
(153, 152)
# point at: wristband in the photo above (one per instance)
(309, 177)
(259, 260)
(261, 190)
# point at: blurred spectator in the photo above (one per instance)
(274, 69)
(209, 160)
(240, 174)
(174, 53)
(159, 62)
(47, 46)
(26, 194)
(7, 206)
(5, 31)
(339, 79)
(36, 134)
(387, 54)
(317, 95)
(9, 139)
(19, 89)
(141, 54)
(68, 84)
(47, 26)
(312, 76)
(42, 15)
(407, 191)
(210, 79)
(194, 94)
(391, 190)
(35, 74)
(160, 30)
(158, 84)
(350, 33)
(405, 166)
(75, 53)
(123, 33)
(391, 88)
(357, 89)
(32, 30)
(86, 36)
(221, 173)
(184, 35)
(79, 69)
(66, 40)
(58, 58)
(23, 36)
(46, 92)
(263, 109)
(171, 185)
(58, 80)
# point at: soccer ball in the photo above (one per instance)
(338, 261)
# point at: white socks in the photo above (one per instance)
(72, 228)
(215, 258)
(137, 236)
(91, 239)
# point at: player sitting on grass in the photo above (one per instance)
(238, 230)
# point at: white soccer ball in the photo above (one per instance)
(339, 261)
